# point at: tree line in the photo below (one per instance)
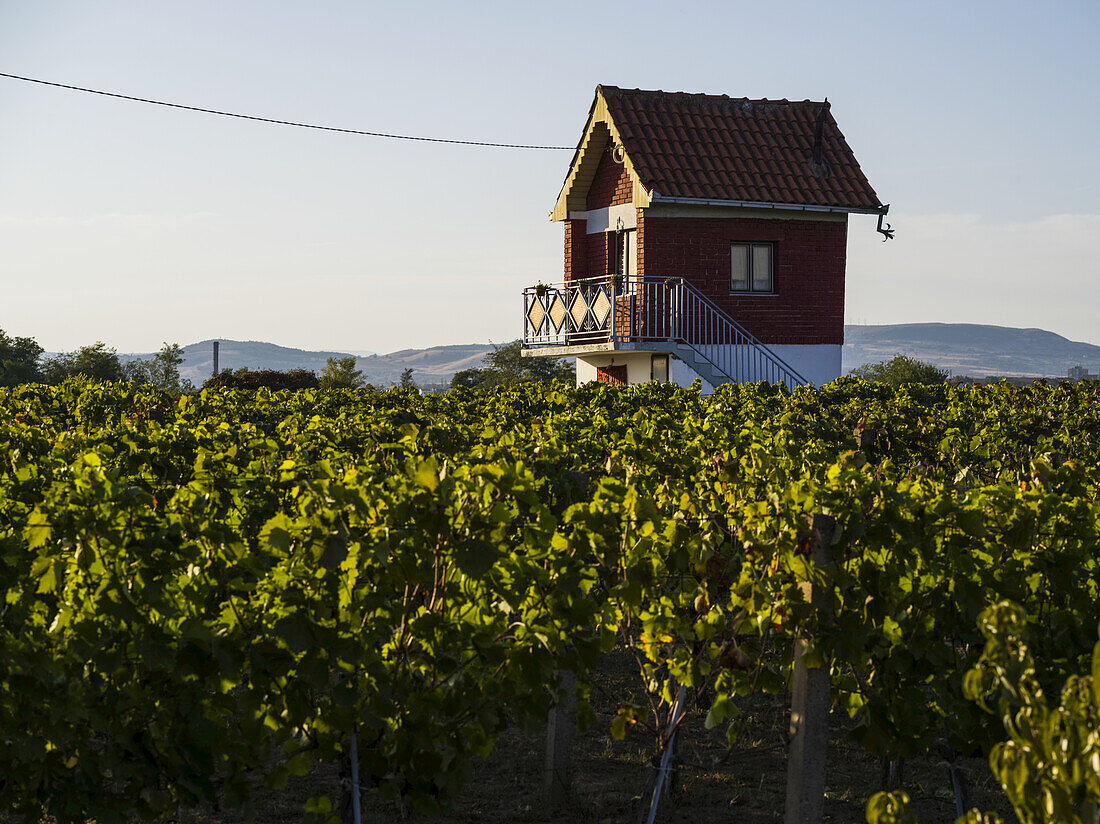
(22, 361)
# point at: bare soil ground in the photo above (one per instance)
(610, 776)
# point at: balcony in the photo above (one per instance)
(661, 314)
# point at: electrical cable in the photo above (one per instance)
(283, 122)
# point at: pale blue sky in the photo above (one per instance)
(137, 224)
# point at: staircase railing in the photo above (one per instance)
(726, 344)
(650, 309)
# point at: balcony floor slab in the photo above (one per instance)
(574, 350)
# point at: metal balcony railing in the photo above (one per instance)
(649, 310)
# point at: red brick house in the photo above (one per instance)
(705, 237)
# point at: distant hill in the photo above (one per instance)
(198, 358)
(964, 348)
(430, 366)
(970, 349)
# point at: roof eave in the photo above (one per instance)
(752, 204)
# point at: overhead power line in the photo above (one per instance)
(282, 122)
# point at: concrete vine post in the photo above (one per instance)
(809, 729)
(356, 791)
(557, 780)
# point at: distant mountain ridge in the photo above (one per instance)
(970, 349)
(435, 365)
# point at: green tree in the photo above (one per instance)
(407, 379)
(506, 366)
(19, 360)
(163, 370)
(508, 361)
(97, 361)
(469, 378)
(340, 373)
(900, 370)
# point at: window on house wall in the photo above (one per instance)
(659, 368)
(752, 267)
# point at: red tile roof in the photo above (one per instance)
(715, 147)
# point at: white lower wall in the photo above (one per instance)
(683, 375)
(586, 371)
(639, 368)
(818, 363)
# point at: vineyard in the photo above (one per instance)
(233, 587)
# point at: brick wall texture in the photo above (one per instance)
(808, 307)
(576, 249)
(611, 186)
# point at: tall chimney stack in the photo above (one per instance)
(215, 357)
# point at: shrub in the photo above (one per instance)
(272, 379)
(900, 370)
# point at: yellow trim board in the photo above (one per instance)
(598, 131)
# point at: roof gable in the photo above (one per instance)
(712, 148)
(599, 132)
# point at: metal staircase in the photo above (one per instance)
(668, 311)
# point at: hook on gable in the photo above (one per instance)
(886, 232)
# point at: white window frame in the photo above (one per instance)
(748, 246)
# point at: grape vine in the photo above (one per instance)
(205, 591)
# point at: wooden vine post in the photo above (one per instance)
(809, 730)
(557, 779)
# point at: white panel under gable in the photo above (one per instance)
(623, 216)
